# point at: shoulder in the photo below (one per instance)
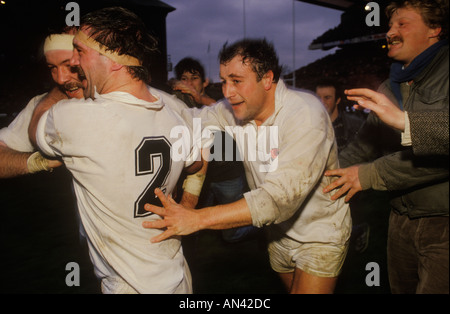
(35, 100)
(169, 100)
(295, 96)
(302, 103)
(75, 104)
(33, 103)
(76, 110)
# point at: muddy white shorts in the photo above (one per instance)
(318, 259)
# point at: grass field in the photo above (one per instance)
(39, 237)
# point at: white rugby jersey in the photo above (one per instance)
(15, 135)
(118, 149)
(295, 146)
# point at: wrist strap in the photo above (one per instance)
(36, 162)
(193, 184)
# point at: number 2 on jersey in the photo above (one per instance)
(152, 157)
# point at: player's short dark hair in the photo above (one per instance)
(122, 31)
(259, 53)
(190, 65)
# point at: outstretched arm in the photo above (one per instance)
(179, 220)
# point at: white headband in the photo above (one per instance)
(122, 59)
(58, 42)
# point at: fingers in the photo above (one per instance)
(161, 211)
(362, 92)
(163, 236)
(343, 190)
(162, 197)
(335, 172)
(156, 224)
(343, 184)
(332, 186)
(336, 183)
(350, 194)
(155, 209)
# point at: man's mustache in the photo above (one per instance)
(390, 40)
(70, 86)
(80, 73)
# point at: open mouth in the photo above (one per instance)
(234, 105)
(394, 41)
(71, 88)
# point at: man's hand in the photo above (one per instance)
(348, 182)
(380, 105)
(36, 162)
(177, 220)
(186, 89)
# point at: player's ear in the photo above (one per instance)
(116, 66)
(268, 80)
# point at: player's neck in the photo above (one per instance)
(127, 84)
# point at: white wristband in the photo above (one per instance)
(194, 183)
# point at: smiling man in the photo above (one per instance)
(308, 232)
(418, 239)
(18, 156)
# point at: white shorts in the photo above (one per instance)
(318, 259)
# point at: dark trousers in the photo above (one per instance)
(418, 255)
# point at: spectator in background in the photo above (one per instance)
(191, 85)
(346, 125)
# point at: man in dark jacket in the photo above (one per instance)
(345, 124)
(418, 256)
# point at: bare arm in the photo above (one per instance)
(179, 220)
(190, 199)
(12, 163)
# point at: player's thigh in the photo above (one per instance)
(307, 267)
(305, 283)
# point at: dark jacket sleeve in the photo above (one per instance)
(388, 165)
(429, 132)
